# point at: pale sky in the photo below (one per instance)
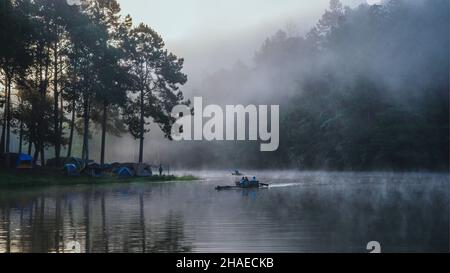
(179, 19)
(211, 34)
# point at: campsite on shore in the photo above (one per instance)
(20, 171)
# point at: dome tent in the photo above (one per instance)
(24, 162)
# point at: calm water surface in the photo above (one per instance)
(302, 212)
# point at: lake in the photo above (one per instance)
(300, 212)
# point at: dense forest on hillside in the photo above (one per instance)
(366, 89)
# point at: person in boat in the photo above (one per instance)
(244, 181)
(254, 181)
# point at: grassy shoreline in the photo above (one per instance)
(39, 179)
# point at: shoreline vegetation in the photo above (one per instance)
(54, 178)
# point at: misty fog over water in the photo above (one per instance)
(301, 212)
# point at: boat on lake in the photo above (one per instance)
(260, 186)
(247, 185)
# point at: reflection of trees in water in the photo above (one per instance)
(330, 214)
(47, 224)
(6, 219)
(26, 227)
(162, 234)
(41, 236)
(169, 237)
(87, 222)
(104, 225)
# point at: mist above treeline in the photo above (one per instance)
(367, 88)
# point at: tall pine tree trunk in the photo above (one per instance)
(43, 80)
(8, 123)
(30, 147)
(56, 105)
(72, 126)
(42, 156)
(141, 128)
(21, 137)
(3, 137)
(36, 152)
(85, 154)
(61, 119)
(105, 118)
(8, 117)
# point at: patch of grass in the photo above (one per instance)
(48, 178)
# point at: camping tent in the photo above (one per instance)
(71, 170)
(124, 172)
(75, 161)
(24, 162)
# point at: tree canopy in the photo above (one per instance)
(67, 67)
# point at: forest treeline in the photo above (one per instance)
(67, 68)
(367, 88)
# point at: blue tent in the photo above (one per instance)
(24, 161)
(124, 172)
(75, 161)
(71, 170)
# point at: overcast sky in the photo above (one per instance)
(176, 19)
(211, 34)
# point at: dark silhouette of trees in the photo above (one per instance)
(15, 28)
(70, 65)
(157, 75)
